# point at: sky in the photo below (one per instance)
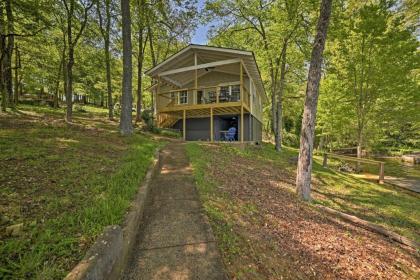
(200, 36)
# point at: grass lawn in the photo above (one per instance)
(264, 232)
(388, 206)
(65, 183)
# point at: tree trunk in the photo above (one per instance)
(105, 34)
(140, 74)
(273, 104)
(9, 52)
(69, 72)
(64, 65)
(279, 111)
(126, 127)
(2, 55)
(139, 87)
(304, 168)
(108, 60)
(69, 66)
(57, 87)
(108, 79)
(154, 63)
(17, 67)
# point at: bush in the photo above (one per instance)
(79, 108)
(290, 139)
(147, 117)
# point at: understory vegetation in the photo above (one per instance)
(265, 232)
(61, 185)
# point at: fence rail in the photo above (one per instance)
(381, 175)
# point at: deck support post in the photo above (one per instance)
(242, 123)
(195, 80)
(241, 73)
(154, 100)
(211, 125)
(184, 125)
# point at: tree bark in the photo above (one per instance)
(140, 58)
(70, 62)
(2, 55)
(304, 168)
(139, 76)
(279, 111)
(154, 63)
(72, 42)
(64, 65)
(108, 80)
(9, 53)
(17, 67)
(57, 87)
(126, 126)
(105, 34)
(69, 72)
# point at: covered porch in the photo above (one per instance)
(211, 123)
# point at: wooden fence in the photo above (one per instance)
(362, 160)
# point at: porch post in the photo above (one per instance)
(195, 79)
(241, 73)
(211, 125)
(154, 100)
(184, 125)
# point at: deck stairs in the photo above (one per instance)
(167, 120)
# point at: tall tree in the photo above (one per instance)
(304, 168)
(373, 56)
(126, 126)
(2, 55)
(272, 28)
(105, 28)
(8, 78)
(75, 11)
(17, 78)
(142, 43)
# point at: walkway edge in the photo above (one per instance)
(108, 256)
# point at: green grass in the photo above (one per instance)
(390, 207)
(65, 184)
(385, 205)
(395, 168)
(214, 203)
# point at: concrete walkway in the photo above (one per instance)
(176, 242)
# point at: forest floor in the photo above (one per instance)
(265, 232)
(58, 183)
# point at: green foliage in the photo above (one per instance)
(382, 204)
(77, 180)
(147, 117)
(369, 92)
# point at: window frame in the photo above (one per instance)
(182, 98)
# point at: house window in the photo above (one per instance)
(183, 97)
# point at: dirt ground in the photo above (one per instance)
(278, 237)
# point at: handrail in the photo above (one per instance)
(245, 95)
(381, 176)
(186, 89)
(354, 158)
